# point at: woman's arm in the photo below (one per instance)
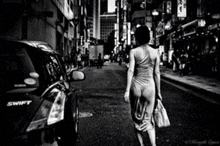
(130, 74)
(157, 76)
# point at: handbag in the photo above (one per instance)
(160, 115)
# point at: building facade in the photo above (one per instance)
(96, 19)
(185, 26)
(108, 21)
(93, 14)
(103, 7)
(50, 21)
(193, 28)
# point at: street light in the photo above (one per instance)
(154, 13)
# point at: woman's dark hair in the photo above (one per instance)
(142, 35)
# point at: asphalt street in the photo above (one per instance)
(105, 118)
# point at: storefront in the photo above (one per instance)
(166, 36)
(171, 42)
(202, 47)
(214, 48)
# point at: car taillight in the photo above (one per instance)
(57, 111)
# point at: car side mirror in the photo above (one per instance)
(76, 75)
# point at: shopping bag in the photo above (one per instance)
(160, 115)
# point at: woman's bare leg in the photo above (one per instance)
(152, 136)
(139, 135)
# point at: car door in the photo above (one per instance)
(56, 105)
(69, 98)
(53, 94)
(71, 108)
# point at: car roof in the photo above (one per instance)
(39, 44)
(43, 46)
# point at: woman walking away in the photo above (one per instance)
(143, 84)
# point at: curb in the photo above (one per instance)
(200, 90)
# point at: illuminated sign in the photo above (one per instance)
(181, 8)
(201, 22)
(213, 26)
(160, 29)
(129, 33)
(169, 7)
(190, 28)
(200, 8)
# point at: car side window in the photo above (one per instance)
(62, 66)
(50, 70)
(55, 68)
(44, 67)
(40, 61)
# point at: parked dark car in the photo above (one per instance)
(38, 105)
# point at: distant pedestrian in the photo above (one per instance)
(100, 61)
(120, 60)
(213, 59)
(73, 58)
(143, 85)
(175, 61)
(183, 61)
(127, 60)
(79, 59)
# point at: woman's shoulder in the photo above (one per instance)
(138, 50)
(152, 50)
(134, 50)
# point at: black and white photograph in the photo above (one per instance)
(109, 72)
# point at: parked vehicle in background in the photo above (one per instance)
(94, 51)
(106, 57)
(38, 106)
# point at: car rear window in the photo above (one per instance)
(17, 70)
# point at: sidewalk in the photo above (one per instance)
(204, 85)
